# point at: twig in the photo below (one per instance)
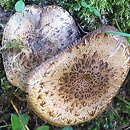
(5, 126)
(16, 109)
(81, 29)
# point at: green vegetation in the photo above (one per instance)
(13, 44)
(89, 15)
(20, 122)
(67, 128)
(86, 16)
(118, 33)
(7, 4)
(110, 11)
(19, 6)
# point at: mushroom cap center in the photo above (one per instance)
(87, 79)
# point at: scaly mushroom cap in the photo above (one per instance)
(42, 34)
(77, 84)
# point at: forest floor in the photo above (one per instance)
(115, 117)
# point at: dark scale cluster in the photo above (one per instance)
(87, 80)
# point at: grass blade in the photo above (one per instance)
(118, 33)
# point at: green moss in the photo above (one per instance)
(13, 44)
(7, 4)
(110, 11)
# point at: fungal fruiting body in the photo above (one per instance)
(78, 83)
(67, 83)
(42, 33)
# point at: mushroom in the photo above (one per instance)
(78, 83)
(41, 32)
(67, 82)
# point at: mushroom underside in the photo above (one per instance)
(78, 84)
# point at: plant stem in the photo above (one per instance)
(4, 126)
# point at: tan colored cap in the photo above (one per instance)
(78, 84)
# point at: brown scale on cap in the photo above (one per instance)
(86, 80)
(78, 83)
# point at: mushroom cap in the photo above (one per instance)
(42, 33)
(78, 84)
